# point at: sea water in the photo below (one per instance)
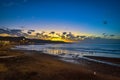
(76, 49)
(72, 52)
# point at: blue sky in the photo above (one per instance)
(85, 16)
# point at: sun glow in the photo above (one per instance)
(60, 39)
(56, 39)
(4, 34)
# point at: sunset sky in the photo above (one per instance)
(78, 16)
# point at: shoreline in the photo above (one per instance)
(35, 65)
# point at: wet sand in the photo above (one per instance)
(108, 59)
(35, 65)
(101, 67)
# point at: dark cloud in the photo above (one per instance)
(4, 31)
(17, 32)
(104, 34)
(112, 35)
(52, 32)
(70, 35)
(64, 33)
(82, 36)
(31, 30)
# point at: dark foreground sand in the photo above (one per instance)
(33, 65)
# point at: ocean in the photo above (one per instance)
(76, 49)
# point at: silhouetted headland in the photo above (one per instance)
(23, 40)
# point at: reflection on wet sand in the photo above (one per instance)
(56, 51)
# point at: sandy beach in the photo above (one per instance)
(35, 65)
(59, 39)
